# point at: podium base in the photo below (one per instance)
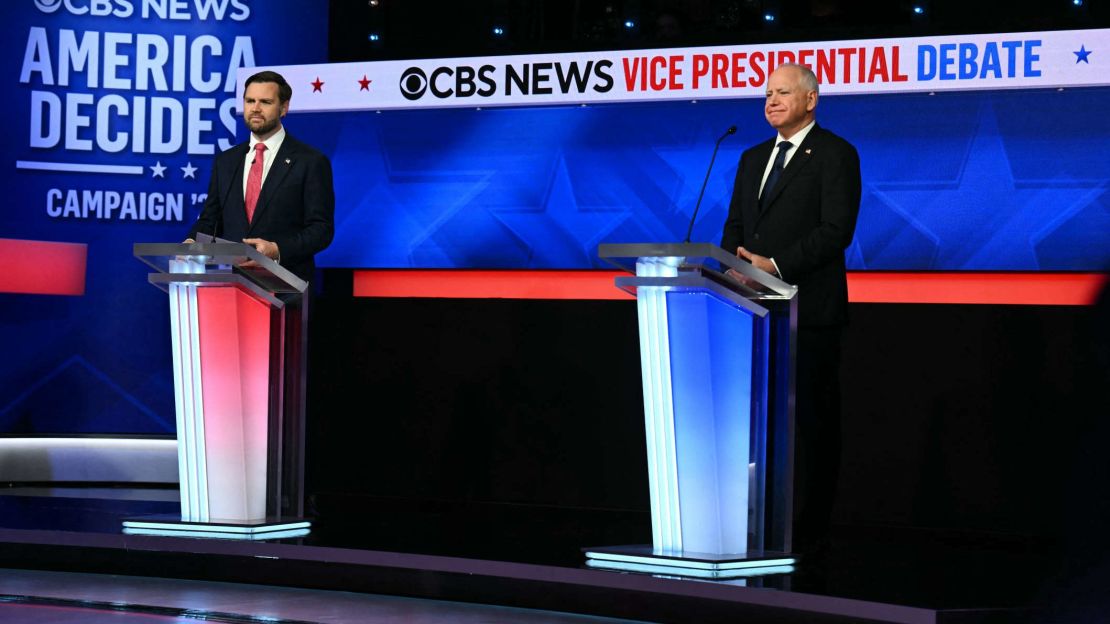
(262, 529)
(644, 559)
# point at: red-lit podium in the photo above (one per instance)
(237, 324)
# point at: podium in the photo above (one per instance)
(717, 347)
(238, 325)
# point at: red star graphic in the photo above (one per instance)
(364, 84)
(317, 87)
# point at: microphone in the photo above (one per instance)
(731, 130)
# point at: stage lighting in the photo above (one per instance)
(629, 24)
(373, 37)
(919, 10)
(498, 31)
(375, 3)
(768, 17)
(1077, 3)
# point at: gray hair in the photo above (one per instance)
(808, 78)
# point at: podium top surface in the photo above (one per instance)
(705, 258)
(221, 258)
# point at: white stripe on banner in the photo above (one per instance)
(922, 64)
(78, 167)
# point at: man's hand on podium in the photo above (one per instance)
(187, 241)
(760, 262)
(264, 247)
(743, 279)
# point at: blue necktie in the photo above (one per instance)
(776, 173)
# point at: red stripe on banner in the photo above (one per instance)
(984, 288)
(42, 267)
(863, 286)
(469, 284)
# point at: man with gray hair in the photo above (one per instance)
(793, 213)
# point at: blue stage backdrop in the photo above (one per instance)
(983, 180)
(114, 111)
(118, 106)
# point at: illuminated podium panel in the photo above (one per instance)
(717, 359)
(237, 332)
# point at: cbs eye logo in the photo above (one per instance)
(414, 82)
(48, 6)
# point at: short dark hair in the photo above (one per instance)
(284, 90)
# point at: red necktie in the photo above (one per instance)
(254, 180)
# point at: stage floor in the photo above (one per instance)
(514, 556)
(72, 598)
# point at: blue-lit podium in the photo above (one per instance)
(717, 358)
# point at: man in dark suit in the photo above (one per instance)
(271, 191)
(275, 193)
(793, 213)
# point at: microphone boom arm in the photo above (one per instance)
(697, 206)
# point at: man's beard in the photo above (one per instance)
(265, 127)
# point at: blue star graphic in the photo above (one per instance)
(562, 233)
(390, 208)
(1082, 55)
(685, 174)
(981, 220)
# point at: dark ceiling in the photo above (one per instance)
(398, 29)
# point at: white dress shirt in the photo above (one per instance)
(796, 141)
(268, 155)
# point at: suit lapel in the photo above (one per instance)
(233, 194)
(283, 162)
(755, 179)
(797, 162)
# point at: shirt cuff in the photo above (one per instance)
(778, 273)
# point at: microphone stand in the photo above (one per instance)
(697, 206)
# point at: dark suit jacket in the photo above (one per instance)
(296, 206)
(808, 223)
